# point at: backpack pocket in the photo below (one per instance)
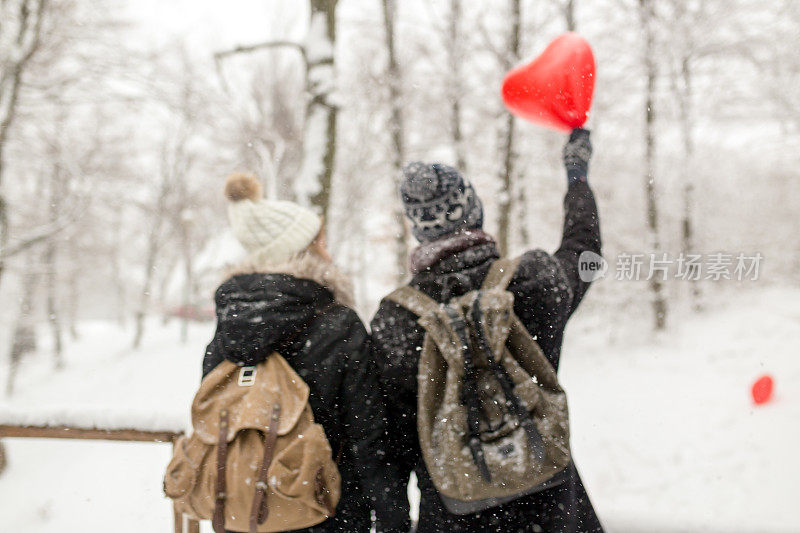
(304, 472)
(184, 468)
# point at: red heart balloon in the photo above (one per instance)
(554, 90)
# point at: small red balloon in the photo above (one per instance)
(762, 390)
(554, 90)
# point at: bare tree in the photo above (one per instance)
(171, 219)
(117, 277)
(647, 19)
(507, 174)
(455, 90)
(23, 336)
(772, 52)
(49, 258)
(681, 76)
(268, 123)
(20, 38)
(187, 256)
(190, 109)
(181, 220)
(319, 133)
(319, 130)
(64, 163)
(73, 289)
(397, 129)
(175, 230)
(158, 214)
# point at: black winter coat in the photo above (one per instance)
(547, 289)
(261, 313)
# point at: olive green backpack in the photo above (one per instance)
(492, 418)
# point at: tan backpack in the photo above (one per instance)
(492, 419)
(256, 461)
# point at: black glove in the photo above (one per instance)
(577, 153)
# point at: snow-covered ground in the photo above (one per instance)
(664, 432)
(666, 435)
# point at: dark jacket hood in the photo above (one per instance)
(258, 313)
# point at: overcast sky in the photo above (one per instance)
(208, 24)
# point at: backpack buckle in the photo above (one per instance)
(247, 376)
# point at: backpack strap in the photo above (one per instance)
(469, 393)
(507, 384)
(414, 300)
(500, 273)
(259, 510)
(218, 519)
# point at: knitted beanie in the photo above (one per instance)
(270, 230)
(438, 201)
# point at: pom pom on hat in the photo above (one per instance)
(270, 230)
(241, 186)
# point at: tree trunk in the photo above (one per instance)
(53, 314)
(687, 222)
(49, 260)
(3, 220)
(23, 339)
(188, 273)
(24, 35)
(656, 286)
(144, 297)
(151, 256)
(396, 127)
(455, 91)
(319, 132)
(507, 175)
(73, 291)
(116, 266)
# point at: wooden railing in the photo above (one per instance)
(125, 435)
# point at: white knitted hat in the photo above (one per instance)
(270, 230)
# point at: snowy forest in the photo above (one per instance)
(119, 122)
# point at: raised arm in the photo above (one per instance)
(581, 222)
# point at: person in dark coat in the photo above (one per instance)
(289, 298)
(453, 258)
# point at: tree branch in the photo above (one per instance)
(246, 49)
(41, 235)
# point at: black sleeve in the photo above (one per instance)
(581, 234)
(395, 339)
(212, 357)
(365, 429)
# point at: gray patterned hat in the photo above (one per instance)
(438, 200)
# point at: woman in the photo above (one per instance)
(289, 298)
